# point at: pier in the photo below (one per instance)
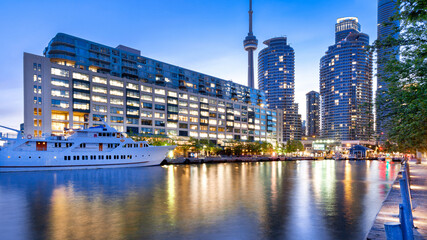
(389, 211)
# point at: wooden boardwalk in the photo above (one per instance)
(390, 209)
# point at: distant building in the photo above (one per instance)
(346, 85)
(304, 128)
(313, 113)
(276, 77)
(78, 83)
(386, 9)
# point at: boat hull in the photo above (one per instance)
(15, 161)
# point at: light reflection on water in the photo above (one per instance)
(271, 200)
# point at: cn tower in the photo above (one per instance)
(250, 43)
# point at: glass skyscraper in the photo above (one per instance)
(276, 77)
(313, 113)
(386, 9)
(346, 86)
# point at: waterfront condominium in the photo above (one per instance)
(276, 76)
(386, 9)
(346, 85)
(78, 83)
(313, 114)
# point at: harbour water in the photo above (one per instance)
(266, 200)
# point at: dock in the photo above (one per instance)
(389, 211)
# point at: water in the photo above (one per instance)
(272, 200)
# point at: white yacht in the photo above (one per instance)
(95, 147)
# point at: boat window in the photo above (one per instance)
(83, 145)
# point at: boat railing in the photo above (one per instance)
(8, 136)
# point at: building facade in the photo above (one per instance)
(78, 83)
(313, 114)
(346, 88)
(386, 10)
(276, 77)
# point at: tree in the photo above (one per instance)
(293, 146)
(405, 95)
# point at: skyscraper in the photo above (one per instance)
(386, 9)
(276, 76)
(313, 113)
(345, 26)
(346, 85)
(250, 43)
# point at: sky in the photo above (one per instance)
(201, 35)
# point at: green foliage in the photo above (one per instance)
(293, 146)
(404, 102)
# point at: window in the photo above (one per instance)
(116, 92)
(194, 119)
(183, 118)
(146, 114)
(81, 95)
(146, 89)
(80, 76)
(212, 122)
(172, 109)
(116, 110)
(160, 99)
(131, 111)
(146, 97)
(146, 122)
(194, 105)
(147, 105)
(204, 100)
(132, 94)
(59, 82)
(116, 83)
(194, 127)
(159, 91)
(97, 98)
(183, 103)
(159, 123)
(99, 108)
(132, 103)
(172, 94)
(131, 120)
(183, 125)
(172, 101)
(160, 107)
(59, 72)
(60, 93)
(115, 119)
(194, 98)
(81, 85)
(81, 105)
(98, 117)
(116, 101)
(159, 115)
(183, 95)
(99, 89)
(183, 111)
(146, 130)
(132, 86)
(204, 113)
(173, 117)
(60, 103)
(100, 80)
(172, 125)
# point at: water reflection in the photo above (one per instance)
(286, 200)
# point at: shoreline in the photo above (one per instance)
(389, 211)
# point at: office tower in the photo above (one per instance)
(78, 83)
(276, 77)
(346, 86)
(250, 44)
(386, 9)
(304, 128)
(313, 113)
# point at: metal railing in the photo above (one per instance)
(404, 230)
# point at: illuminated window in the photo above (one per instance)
(59, 72)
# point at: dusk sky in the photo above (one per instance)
(201, 35)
